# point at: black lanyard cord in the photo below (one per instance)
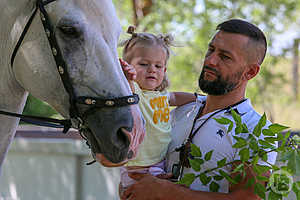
(185, 149)
(193, 133)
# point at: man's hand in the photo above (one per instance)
(147, 187)
(128, 70)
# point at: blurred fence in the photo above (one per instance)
(45, 165)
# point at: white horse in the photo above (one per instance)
(87, 33)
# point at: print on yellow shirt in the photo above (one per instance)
(161, 109)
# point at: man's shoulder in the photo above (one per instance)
(252, 118)
(189, 108)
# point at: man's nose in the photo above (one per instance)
(212, 59)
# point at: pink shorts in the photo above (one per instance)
(154, 170)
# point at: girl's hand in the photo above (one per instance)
(128, 70)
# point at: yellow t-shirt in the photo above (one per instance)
(155, 108)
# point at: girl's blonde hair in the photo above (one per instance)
(149, 39)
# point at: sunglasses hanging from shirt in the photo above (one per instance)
(185, 149)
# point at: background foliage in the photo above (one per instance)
(193, 23)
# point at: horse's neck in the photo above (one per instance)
(13, 96)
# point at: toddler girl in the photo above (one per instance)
(144, 63)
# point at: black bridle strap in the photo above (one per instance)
(41, 121)
(22, 37)
(114, 102)
(56, 52)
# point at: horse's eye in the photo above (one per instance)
(70, 31)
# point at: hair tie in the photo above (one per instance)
(131, 30)
(168, 39)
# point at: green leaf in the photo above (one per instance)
(260, 169)
(227, 177)
(260, 190)
(195, 150)
(271, 140)
(236, 117)
(214, 187)
(238, 129)
(280, 136)
(208, 155)
(255, 160)
(263, 154)
(264, 157)
(196, 164)
(261, 123)
(230, 127)
(218, 178)
(262, 178)
(253, 145)
(187, 179)
(244, 154)
(238, 168)
(274, 196)
(241, 142)
(276, 128)
(265, 144)
(223, 120)
(284, 139)
(296, 189)
(296, 139)
(221, 163)
(268, 132)
(204, 179)
(244, 128)
(294, 163)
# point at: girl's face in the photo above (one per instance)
(150, 65)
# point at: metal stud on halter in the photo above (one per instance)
(130, 100)
(109, 103)
(54, 51)
(90, 101)
(61, 70)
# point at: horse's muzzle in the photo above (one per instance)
(115, 134)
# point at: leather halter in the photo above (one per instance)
(93, 102)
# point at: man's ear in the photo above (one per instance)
(252, 71)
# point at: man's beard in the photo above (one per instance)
(220, 86)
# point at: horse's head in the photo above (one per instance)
(87, 34)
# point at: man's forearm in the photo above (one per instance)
(177, 192)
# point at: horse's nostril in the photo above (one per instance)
(123, 136)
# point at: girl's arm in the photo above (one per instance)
(181, 98)
(129, 72)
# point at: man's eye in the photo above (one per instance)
(209, 51)
(224, 57)
(158, 66)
